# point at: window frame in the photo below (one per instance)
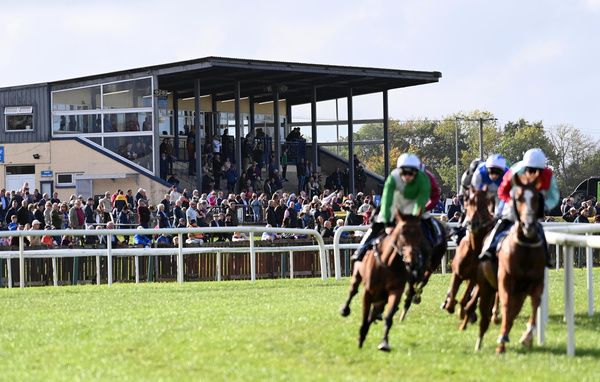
(18, 112)
(59, 184)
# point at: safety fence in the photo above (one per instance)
(176, 254)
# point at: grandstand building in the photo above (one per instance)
(103, 132)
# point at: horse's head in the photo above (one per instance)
(408, 237)
(526, 203)
(477, 209)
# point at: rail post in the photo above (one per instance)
(21, 262)
(109, 265)
(569, 301)
(291, 264)
(98, 276)
(252, 258)
(180, 258)
(589, 262)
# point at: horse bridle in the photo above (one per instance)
(520, 242)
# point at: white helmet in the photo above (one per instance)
(534, 158)
(496, 161)
(409, 160)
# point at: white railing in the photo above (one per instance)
(337, 247)
(109, 252)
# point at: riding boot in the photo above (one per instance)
(365, 243)
(489, 253)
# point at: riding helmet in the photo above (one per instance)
(409, 160)
(534, 158)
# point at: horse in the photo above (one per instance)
(384, 272)
(480, 222)
(521, 262)
(416, 285)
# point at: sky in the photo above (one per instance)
(536, 60)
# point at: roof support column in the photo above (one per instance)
(350, 144)
(276, 126)
(386, 137)
(198, 159)
(313, 129)
(251, 112)
(215, 120)
(176, 124)
(238, 128)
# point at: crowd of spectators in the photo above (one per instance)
(323, 211)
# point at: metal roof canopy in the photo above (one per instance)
(294, 80)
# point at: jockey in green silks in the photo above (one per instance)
(407, 190)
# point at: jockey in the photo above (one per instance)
(533, 167)
(466, 179)
(406, 189)
(490, 174)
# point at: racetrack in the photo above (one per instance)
(268, 330)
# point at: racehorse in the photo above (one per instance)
(521, 262)
(464, 264)
(384, 272)
(416, 285)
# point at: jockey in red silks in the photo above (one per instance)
(533, 167)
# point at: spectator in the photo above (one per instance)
(571, 215)
(455, 218)
(583, 217)
(194, 237)
(326, 231)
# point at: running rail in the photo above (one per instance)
(109, 251)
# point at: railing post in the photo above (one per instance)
(219, 265)
(557, 257)
(542, 313)
(54, 272)
(322, 255)
(569, 303)
(336, 254)
(21, 262)
(9, 270)
(291, 264)
(589, 262)
(98, 275)
(137, 269)
(109, 264)
(180, 258)
(252, 258)
(444, 263)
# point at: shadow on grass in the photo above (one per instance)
(561, 351)
(582, 320)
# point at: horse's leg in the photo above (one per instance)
(408, 300)
(364, 328)
(536, 297)
(486, 301)
(450, 302)
(376, 311)
(470, 308)
(496, 310)
(511, 305)
(466, 298)
(392, 303)
(356, 279)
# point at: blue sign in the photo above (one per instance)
(46, 174)
(1, 154)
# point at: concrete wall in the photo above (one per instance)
(70, 156)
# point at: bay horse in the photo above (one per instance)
(480, 222)
(416, 285)
(521, 262)
(385, 272)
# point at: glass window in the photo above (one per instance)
(136, 149)
(96, 140)
(76, 124)
(128, 94)
(65, 180)
(125, 122)
(19, 122)
(76, 99)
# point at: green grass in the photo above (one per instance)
(269, 330)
